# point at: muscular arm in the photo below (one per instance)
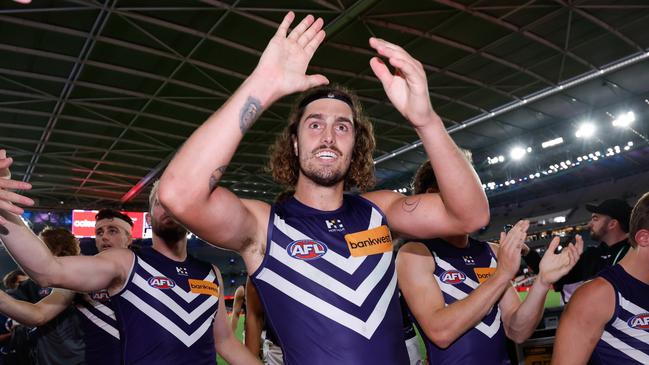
(461, 207)
(254, 319)
(442, 324)
(582, 322)
(226, 343)
(35, 315)
(78, 273)
(188, 188)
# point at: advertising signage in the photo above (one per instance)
(83, 223)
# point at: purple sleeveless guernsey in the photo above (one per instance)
(325, 305)
(626, 336)
(457, 277)
(162, 319)
(100, 332)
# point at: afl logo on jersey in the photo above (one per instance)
(639, 322)
(306, 249)
(100, 295)
(161, 282)
(452, 277)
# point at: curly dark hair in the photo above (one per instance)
(112, 214)
(60, 241)
(284, 165)
(425, 178)
(10, 280)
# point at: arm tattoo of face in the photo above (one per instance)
(216, 177)
(249, 113)
(410, 204)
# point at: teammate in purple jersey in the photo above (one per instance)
(326, 241)
(118, 271)
(100, 330)
(462, 301)
(608, 317)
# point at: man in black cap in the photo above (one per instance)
(609, 224)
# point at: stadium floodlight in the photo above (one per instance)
(585, 130)
(552, 142)
(517, 153)
(624, 120)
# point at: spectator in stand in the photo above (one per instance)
(609, 224)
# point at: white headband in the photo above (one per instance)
(114, 222)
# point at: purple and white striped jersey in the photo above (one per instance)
(626, 336)
(166, 309)
(100, 328)
(328, 300)
(459, 271)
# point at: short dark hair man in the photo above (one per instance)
(609, 224)
(607, 319)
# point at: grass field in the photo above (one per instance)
(553, 299)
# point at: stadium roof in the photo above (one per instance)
(96, 96)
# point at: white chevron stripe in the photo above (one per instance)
(98, 321)
(347, 264)
(493, 263)
(171, 304)
(356, 296)
(625, 348)
(488, 330)
(100, 307)
(447, 266)
(375, 219)
(187, 296)
(639, 335)
(629, 306)
(167, 324)
(363, 328)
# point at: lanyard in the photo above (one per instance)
(619, 253)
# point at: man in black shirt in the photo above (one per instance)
(609, 224)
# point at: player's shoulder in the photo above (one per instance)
(256, 206)
(414, 247)
(598, 288)
(598, 291)
(115, 254)
(382, 198)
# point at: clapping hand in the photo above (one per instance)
(8, 198)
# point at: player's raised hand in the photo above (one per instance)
(509, 250)
(8, 198)
(407, 88)
(554, 266)
(286, 58)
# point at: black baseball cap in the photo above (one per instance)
(614, 208)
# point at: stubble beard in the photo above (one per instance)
(170, 234)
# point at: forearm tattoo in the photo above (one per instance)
(410, 204)
(249, 113)
(216, 177)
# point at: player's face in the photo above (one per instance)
(110, 236)
(598, 226)
(325, 141)
(163, 224)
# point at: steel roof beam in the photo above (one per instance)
(457, 45)
(593, 19)
(514, 28)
